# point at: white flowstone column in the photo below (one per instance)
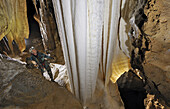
(88, 31)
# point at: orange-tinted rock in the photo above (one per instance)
(13, 22)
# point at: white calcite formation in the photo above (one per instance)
(91, 44)
(59, 74)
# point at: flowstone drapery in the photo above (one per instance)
(89, 33)
(13, 22)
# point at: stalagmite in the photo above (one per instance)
(91, 44)
(13, 22)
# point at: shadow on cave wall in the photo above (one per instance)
(130, 86)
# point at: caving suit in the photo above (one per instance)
(42, 63)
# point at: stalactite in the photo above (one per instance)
(13, 22)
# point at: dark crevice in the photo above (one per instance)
(138, 58)
(131, 87)
(4, 47)
(134, 99)
(34, 29)
(132, 90)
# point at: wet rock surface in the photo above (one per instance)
(28, 89)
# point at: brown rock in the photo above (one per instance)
(28, 89)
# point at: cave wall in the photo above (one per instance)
(49, 31)
(157, 64)
(14, 25)
(13, 22)
(45, 18)
(100, 37)
(150, 50)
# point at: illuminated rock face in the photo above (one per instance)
(90, 40)
(157, 64)
(13, 22)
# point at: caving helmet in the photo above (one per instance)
(32, 48)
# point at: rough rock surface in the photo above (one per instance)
(157, 63)
(22, 88)
(150, 50)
